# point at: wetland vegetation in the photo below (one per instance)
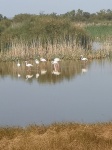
(58, 136)
(67, 36)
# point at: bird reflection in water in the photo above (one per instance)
(37, 72)
(29, 77)
(37, 75)
(19, 75)
(18, 64)
(84, 69)
(43, 71)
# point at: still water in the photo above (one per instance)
(74, 91)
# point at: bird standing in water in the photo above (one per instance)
(83, 58)
(36, 61)
(57, 59)
(28, 65)
(43, 59)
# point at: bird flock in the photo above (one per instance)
(54, 62)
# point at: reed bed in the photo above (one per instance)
(21, 50)
(65, 50)
(57, 136)
(101, 34)
(68, 43)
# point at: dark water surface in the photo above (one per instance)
(73, 91)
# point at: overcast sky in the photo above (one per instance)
(10, 8)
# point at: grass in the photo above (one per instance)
(58, 136)
(69, 46)
(100, 31)
(103, 35)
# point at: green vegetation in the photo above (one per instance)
(68, 35)
(100, 31)
(61, 136)
(101, 34)
(29, 36)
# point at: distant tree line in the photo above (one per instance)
(80, 15)
(72, 16)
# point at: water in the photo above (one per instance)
(80, 92)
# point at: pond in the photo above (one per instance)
(73, 91)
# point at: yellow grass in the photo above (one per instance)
(61, 136)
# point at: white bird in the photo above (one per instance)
(57, 59)
(55, 72)
(18, 64)
(36, 61)
(83, 58)
(43, 59)
(54, 62)
(28, 65)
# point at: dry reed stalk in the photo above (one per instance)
(66, 49)
(68, 136)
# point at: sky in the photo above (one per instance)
(10, 8)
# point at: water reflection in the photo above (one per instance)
(96, 45)
(70, 91)
(19, 75)
(46, 72)
(84, 70)
(29, 77)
